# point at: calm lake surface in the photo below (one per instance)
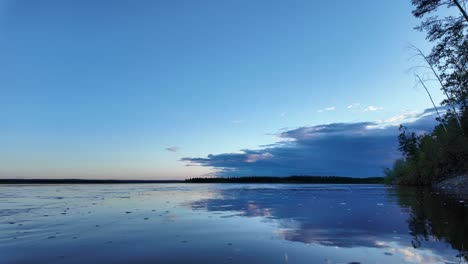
(230, 223)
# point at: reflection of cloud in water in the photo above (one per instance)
(330, 237)
(342, 217)
(254, 210)
(413, 255)
(327, 223)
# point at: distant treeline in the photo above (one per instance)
(291, 179)
(79, 181)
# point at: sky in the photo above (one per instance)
(179, 89)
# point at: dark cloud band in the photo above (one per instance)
(341, 149)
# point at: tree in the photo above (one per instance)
(449, 56)
(442, 153)
(408, 143)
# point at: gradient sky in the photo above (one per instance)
(141, 89)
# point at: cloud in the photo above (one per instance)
(257, 157)
(326, 109)
(343, 149)
(373, 108)
(173, 149)
(354, 105)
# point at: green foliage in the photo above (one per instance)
(408, 143)
(443, 153)
(400, 171)
(449, 55)
(431, 157)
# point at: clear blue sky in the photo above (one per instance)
(101, 89)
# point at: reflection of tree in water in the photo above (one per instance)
(435, 215)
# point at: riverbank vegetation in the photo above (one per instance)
(433, 157)
(442, 153)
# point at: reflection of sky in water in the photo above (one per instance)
(228, 223)
(345, 216)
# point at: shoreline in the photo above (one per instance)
(81, 181)
(250, 180)
(456, 186)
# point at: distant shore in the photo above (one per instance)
(259, 179)
(291, 179)
(81, 181)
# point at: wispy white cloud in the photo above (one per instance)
(373, 108)
(409, 117)
(256, 157)
(283, 114)
(404, 116)
(173, 149)
(354, 105)
(326, 109)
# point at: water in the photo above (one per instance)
(230, 223)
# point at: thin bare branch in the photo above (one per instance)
(432, 101)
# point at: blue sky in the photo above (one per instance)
(139, 89)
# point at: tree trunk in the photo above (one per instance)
(435, 107)
(465, 15)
